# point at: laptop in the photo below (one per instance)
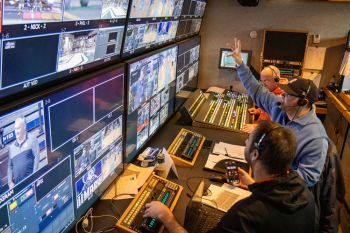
(199, 216)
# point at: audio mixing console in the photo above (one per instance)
(155, 189)
(227, 111)
(186, 147)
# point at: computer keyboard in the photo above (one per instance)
(203, 218)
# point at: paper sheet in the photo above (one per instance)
(142, 173)
(216, 90)
(224, 197)
(233, 151)
(126, 187)
(315, 76)
(184, 94)
(169, 163)
(214, 159)
(124, 184)
(314, 58)
(345, 65)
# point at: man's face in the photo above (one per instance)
(289, 102)
(19, 130)
(267, 79)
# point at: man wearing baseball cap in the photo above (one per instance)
(294, 110)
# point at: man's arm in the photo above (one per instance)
(260, 95)
(159, 211)
(310, 161)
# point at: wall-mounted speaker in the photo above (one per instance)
(248, 2)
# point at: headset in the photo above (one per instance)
(257, 144)
(276, 77)
(303, 100)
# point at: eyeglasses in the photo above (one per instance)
(265, 81)
(286, 95)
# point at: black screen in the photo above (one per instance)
(59, 152)
(151, 93)
(286, 46)
(44, 41)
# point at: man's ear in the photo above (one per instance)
(254, 155)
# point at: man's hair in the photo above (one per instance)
(21, 120)
(276, 145)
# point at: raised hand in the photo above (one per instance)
(236, 51)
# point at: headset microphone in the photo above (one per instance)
(279, 104)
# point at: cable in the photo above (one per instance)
(88, 215)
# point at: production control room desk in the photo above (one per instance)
(163, 138)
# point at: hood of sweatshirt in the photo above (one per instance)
(288, 193)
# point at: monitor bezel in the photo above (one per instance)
(348, 42)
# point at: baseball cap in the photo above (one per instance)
(300, 87)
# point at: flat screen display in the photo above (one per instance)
(59, 152)
(151, 24)
(191, 18)
(44, 41)
(285, 46)
(151, 96)
(226, 61)
(187, 69)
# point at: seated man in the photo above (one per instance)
(269, 77)
(280, 200)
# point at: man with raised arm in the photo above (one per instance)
(294, 110)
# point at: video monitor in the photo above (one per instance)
(65, 38)
(193, 8)
(151, 23)
(285, 46)
(227, 61)
(188, 27)
(59, 151)
(187, 69)
(155, 8)
(151, 94)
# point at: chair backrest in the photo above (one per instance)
(329, 190)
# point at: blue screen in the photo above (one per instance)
(151, 92)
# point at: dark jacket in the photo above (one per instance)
(329, 190)
(281, 205)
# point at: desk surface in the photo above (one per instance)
(163, 138)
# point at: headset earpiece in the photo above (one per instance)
(258, 144)
(276, 77)
(303, 100)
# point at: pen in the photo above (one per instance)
(226, 152)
